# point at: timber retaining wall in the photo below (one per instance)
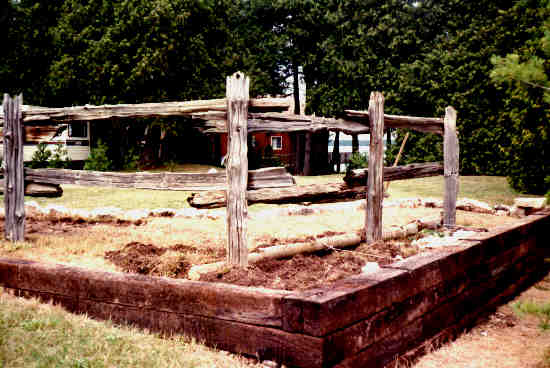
(366, 320)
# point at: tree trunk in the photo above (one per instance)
(307, 155)
(237, 169)
(354, 143)
(14, 184)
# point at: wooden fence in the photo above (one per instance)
(238, 115)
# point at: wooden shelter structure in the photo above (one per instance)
(238, 116)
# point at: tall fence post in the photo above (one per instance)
(14, 181)
(451, 167)
(237, 88)
(375, 185)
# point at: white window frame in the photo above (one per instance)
(273, 145)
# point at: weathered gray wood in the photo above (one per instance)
(421, 124)
(38, 189)
(358, 177)
(336, 152)
(451, 163)
(270, 177)
(284, 122)
(315, 193)
(375, 192)
(237, 94)
(186, 108)
(14, 185)
(307, 155)
(354, 143)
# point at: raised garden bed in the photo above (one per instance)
(365, 320)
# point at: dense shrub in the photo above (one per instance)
(98, 160)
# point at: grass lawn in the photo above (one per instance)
(491, 189)
(40, 335)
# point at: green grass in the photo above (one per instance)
(41, 335)
(540, 310)
(491, 189)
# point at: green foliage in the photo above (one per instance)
(523, 76)
(131, 159)
(357, 161)
(541, 311)
(98, 160)
(60, 158)
(40, 157)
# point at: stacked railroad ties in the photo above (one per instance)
(233, 116)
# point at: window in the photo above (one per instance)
(277, 142)
(78, 130)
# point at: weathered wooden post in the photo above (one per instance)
(307, 154)
(336, 152)
(14, 183)
(451, 167)
(375, 184)
(237, 88)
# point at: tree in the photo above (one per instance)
(523, 76)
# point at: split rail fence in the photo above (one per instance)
(238, 115)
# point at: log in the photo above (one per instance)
(38, 189)
(421, 124)
(271, 177)
(237, 92)
(281, 251)
(358, 177)
(451, 163)
(14, 185)
(143, 110)
(315, 193)
(284, 122)
(375, 183)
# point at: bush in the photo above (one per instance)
(60, 158)
(130, 161)
(357, 161)
(98, 160)
(40, 157)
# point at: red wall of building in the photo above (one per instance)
(262, 141)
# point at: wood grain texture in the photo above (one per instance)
(451, 163)
(375, 183)
(14, 185)
(161, 109)
(359, 177)
(271, 177)
(315, 193)
(421, 124)
(237, 94)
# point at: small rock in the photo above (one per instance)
(212, 171)
(270, 364)
(518, 212)
(534, 203)
(370, 267)
(502, 213)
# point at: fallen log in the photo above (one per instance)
(271, 177)
(359, 176)
(317, 193)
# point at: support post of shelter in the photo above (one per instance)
(237, 91)
(14, 182)
(336, 152)
(354, 143)
(307, 154)
(375, 185)
(451, 167)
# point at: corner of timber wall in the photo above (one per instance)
(366, 320)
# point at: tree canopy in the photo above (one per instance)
(423, 55)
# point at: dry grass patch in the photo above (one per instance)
(506, 339)
(33, 334)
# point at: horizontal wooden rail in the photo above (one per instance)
(284, 122)
(262, 178)
(421, 124)
(91, 112)
(318, 193)
(359, 176)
